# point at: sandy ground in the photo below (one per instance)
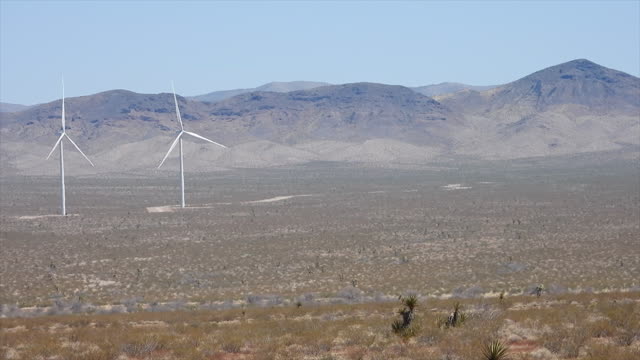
(34, 217)
(456, 187)
(277, 198)
(172, 208)
(162, 209)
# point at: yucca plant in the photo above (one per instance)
(403, 327)
(410, 302)
(495, 350)
(456, 318)
(408, 312)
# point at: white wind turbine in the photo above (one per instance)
(179, 139)
(59, 142)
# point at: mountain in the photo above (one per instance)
(350, 112)
(448, 88)
(571, 108)
(116, 126)
(578, 82)
(272, 87)
(7, 107)
(117, 113)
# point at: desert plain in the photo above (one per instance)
(309, 261)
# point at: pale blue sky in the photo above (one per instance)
(206, 46)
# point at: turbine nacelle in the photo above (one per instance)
(183, 131)
(63, 132)
(63, 135)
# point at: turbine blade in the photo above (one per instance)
(204, 138)
(171, 148)
(80, 151)
(177, 109)
(63, 119)
(55, 146)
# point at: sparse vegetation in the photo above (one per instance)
(311, 277)
(359, 331)
(321, 244)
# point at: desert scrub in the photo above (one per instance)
(338, 330)
(567, 340)
(625, 318)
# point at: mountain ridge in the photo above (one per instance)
(574, 107)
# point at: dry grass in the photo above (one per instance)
(563, 327)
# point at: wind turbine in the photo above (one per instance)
(59, 142)
(179, 139)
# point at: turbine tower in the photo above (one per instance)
(63, 135)
(179, 139)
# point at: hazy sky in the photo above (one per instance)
(206, 46)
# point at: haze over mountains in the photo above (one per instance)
(448, 88)
(429, 90)
(8, 107)
(288, 86)
(570, 108)
(272, 86)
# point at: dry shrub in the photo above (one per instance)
(141, 348)
(232, 346)
(625, 317)
(601, 328)
(356, 353)
(566, 341)
(610, 352)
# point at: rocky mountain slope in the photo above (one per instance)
(126, 130)
(351, 112)
(575, 107)
(578, 82)
(578, 106)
